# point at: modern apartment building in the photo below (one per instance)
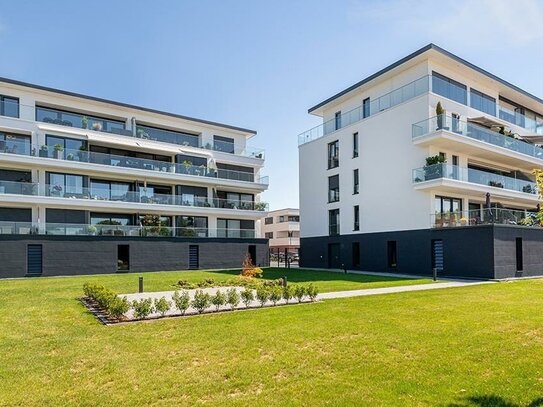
(425, 164)
(282, 228)
(89, 185)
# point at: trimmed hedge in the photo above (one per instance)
(106, 299)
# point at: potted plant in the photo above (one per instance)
(84, 122)
(58, 151)
(441, 116)
(208, 146)
(91, 230)
(70, 157)
(434, 167)
(44, 150)
(495, 184)
(188, 165)
(260, 206)
(97, 126)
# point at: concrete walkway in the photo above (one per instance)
(399, 289)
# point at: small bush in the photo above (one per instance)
(312, 292)
(273, 283)
(299, 292)
(162, 305)
(106, 299)
(232, 298)
(142, 308)
(218, 299)
(288, 293)
(275, 294)
(247, 296)
(208, 282)
(181, 301)
(118, 307)
(262, 295)
(201, 301)
(186, 285)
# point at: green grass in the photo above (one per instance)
(476, 346)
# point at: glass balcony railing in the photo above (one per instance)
(391, 99)
(70, 229)
(143, 196)
(475, 132)
(438, 171)
(89, 122)
(22, 148)
(486, 216)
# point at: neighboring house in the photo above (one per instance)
(389, 182)
(89, 185)
(282, 228)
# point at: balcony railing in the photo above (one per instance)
(487, 216)
(438, 171)
(142, 196)
(475, 132)
(69, 229)
(21, 148)
(117, 127)
(391, 99)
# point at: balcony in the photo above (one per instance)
(21, 148)
(96, 194)
(69, 229)
(488, 216)
(473, 176)
(81, 121)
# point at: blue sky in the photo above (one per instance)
(251, 63)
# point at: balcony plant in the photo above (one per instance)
(441, 114)
(260, 206)
(58, 151)
(96, 126)
(91, 229)
(188, 165)
(84, 122)
(70, 157)
(44, 151)
(495, 184)
(434, 167)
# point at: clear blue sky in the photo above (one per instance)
(252, 63)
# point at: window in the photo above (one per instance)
(235, 200)
(110, 219)
(111, 190)
(281, 219)
(14, 144)
(65, 185)
(235, 228)
(268, 220)
(268, 235)
(356, 225)
(392, 254)
(446, 204)
(333, 154)
(333, 222)
(355, 145)
(293, 218)
(123, 257)
(449, 88)
(69, 148)
(356, 254)
(333, 188)
(355, 181)
(81, 121)
(9, 106)
(366, 108)
(224, 144)
(338, 120)
(167, 136)
(482, 102)
(191, 226)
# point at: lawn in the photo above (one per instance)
(474, 346)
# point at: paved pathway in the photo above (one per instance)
(399, 289)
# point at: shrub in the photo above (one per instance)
(181, 301)
(208, 282)
(232, 298)
(142, 308)
(106, 299)
(262, 295)
(118, 307)
(186, 284)
(299, 292)
(288, 293)
(218, 299)
(273, 283)
(247, 296)
(201, 301)
(312, 292)
(275, 294)
(162, 305)
(248, 269)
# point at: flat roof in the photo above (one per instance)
(414, 55)
(121, 104)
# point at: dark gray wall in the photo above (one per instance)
(75, 255)
(505, 251)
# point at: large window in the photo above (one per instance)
(333, 154)
(268, 235)
(337, 118)
(355, 182)
(355, 145)
(111, 190)
(14, 144)
(268, 220)
(224, 144)
(79, 120)
(333, 188)
(9, 106)
(191, 226)
(482, 102)
(235, 228)
(63, 185)
(356, 225)
(65, 148)
(294, 219)
(333, 222)
(366, 108)
(110, 219)
(449, 88)
(235, 200)
(168, 136)
(445, 204)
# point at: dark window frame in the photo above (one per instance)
(356, 216)
(3, 99)
(356, 181)
(333, 154)
(333, 188)
(355, 145)
(333, 228)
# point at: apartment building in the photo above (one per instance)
(282, 228)
(425, 164)
(89, 185)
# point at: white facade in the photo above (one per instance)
(155, 163)
(282, 228)
(397, 190)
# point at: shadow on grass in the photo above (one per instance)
(493, 400)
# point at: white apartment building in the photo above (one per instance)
(282, 228)
(389, 182)
(89, 185)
